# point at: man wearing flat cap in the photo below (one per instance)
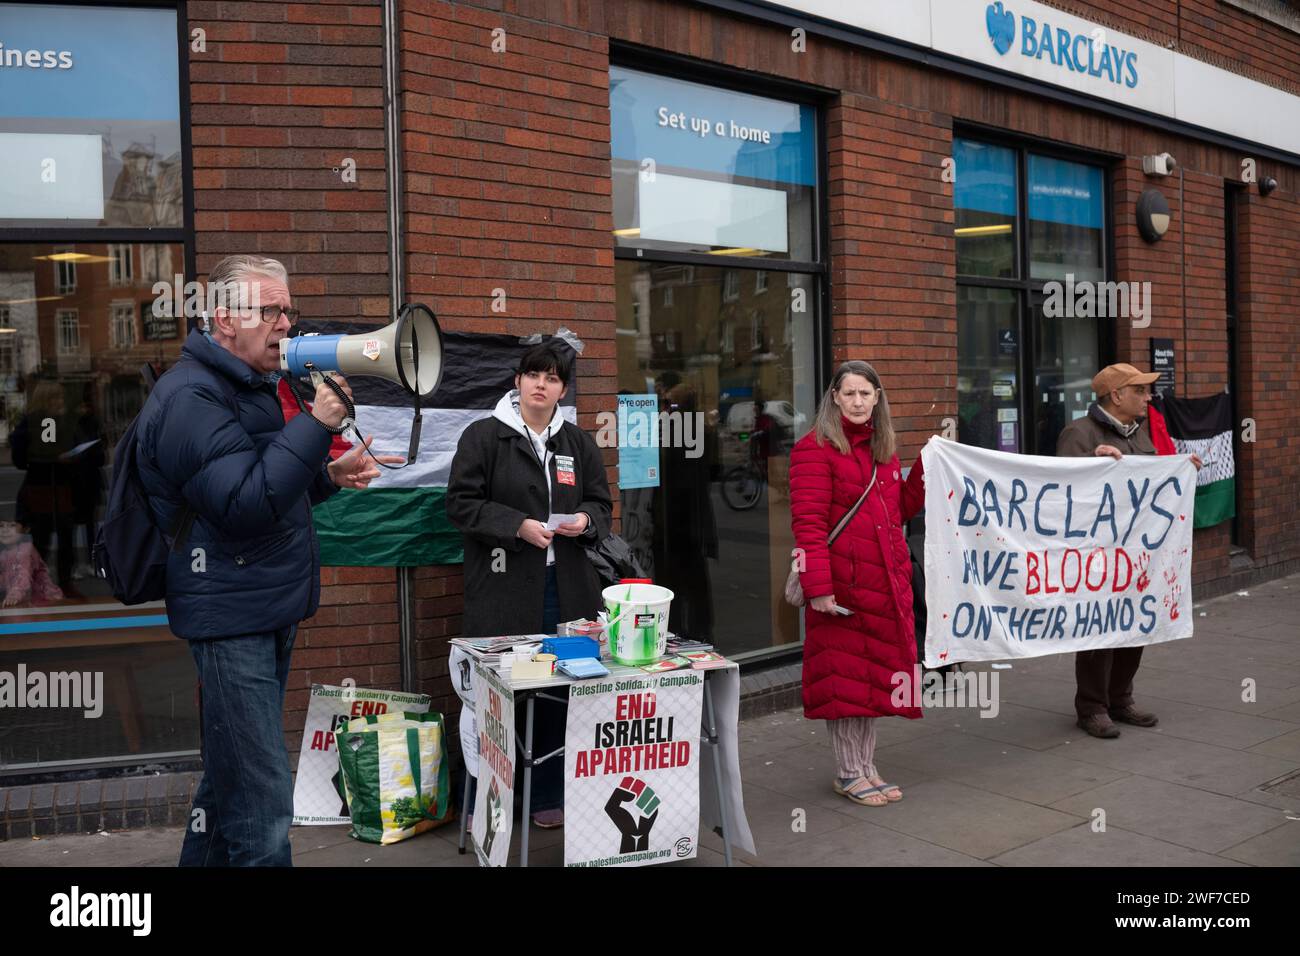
(1115, 426)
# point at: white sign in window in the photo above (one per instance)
(51, 176)
(709, 213)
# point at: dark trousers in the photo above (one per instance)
(1104, 679)
(549, 721)
(244, 804)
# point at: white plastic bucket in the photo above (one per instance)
(638, 622)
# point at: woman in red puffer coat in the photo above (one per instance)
(849, 659)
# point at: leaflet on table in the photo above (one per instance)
(667, 664)
(480, 646)
(706, 660)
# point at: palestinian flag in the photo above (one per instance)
(1203, 426)
(401, 519)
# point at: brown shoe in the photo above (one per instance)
(1098, 725)
(1138, 718)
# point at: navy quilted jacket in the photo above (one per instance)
(212, 434)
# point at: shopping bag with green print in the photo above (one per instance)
(395, 775)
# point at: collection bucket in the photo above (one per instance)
(638, 616)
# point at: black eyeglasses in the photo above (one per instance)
(271, 314)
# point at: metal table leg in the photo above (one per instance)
(528, 781)
(464, 810)
(712, 739)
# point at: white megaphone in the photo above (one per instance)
(408, 352)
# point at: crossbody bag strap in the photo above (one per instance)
(848, 516)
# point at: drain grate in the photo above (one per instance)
(1288, 786)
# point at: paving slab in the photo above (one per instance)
(1204, 766)
(864, 845)
(1286, 746)
(1185, 816)
(1116, 847)
(1277, 847)
(970, 821)
(1002, 768)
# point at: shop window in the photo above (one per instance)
(64, 362)
(1025, 221)
(743, 186)
(725, 348)
(96, 143)
(1065, 218)
(985, 201)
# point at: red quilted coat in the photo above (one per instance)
(848, 661)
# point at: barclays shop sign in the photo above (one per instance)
(1078, 52)
(1049, 46)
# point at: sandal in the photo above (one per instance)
(861, 792)
(885, 788)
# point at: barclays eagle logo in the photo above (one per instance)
(1002, 26)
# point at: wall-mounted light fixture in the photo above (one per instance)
(1267, 185)
(1152, 215)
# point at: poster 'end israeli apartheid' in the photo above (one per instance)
(1027, 555)
(494, 800)
(632, 770)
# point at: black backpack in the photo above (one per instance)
(130, 549)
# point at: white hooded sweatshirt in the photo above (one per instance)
(507, 411)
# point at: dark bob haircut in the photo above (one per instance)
(552, 356)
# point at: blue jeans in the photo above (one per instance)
(246, 794)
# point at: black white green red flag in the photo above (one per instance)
(1203, 426)
(401, 519)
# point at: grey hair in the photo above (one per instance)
(228, 279)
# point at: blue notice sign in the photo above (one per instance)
(638, 441)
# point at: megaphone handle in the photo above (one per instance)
(413, 449)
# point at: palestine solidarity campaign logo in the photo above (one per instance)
(633, 822)
(1002, 26)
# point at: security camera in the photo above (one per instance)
(1267, 185)
(1162, 164)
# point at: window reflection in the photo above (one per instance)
(77, 322)
(716, 530)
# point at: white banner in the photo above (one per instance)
(1027, 555)
(318, 791)
(494, 802)
(632, 770)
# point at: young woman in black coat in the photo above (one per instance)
(511, 472)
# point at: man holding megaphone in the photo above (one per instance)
(233, 486)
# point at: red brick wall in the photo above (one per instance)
(507, 188)
(1270, 362)
(893, 258)
(281, 96)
